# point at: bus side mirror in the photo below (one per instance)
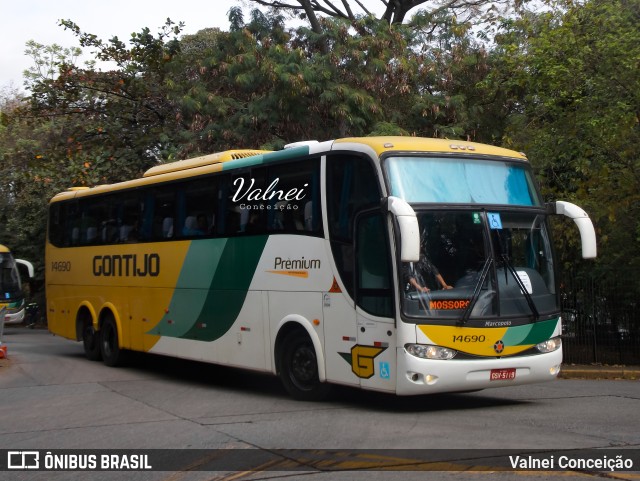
(25, 267)
(408, 226)
(585, 226)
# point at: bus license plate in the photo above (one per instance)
(503, 374)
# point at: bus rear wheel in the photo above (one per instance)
(298, 368)
(112, 354)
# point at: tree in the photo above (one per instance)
(574, 73)
(262, 85)
(124, 120)
(394, 11)
(28, 177)
(82, 127)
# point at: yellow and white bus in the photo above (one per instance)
(13, 299)
(397, 264)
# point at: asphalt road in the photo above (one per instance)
(52, 398)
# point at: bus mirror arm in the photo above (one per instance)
(29, 266)
(582, 220)
(408, 226)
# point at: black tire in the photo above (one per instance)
(298, 368)
(91, 343)
(112, 354)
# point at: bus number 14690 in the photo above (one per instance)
(469, 338)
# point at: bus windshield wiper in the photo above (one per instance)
(524, 290)
(476, 291)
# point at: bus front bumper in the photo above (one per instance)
(14, 317)
(424, 376)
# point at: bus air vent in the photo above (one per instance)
(202, 161)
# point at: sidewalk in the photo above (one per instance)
(593, 371)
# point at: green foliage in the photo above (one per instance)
(573, 79)
(82, 127)
(264, 86)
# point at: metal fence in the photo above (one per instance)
(601, 323)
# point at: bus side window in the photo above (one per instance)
(148, 212)
(92, 213)
(198, 207)
(164, 213)
(295, 206)
(352, 186)
(129, 218)
(56, 226)
(374, 292)
(244, 215)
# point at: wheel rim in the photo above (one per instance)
(303, 367)
(108, 340)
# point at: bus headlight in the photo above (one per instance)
(425, 351)
(549, 345)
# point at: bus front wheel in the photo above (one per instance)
(112, 353)
(298, 368)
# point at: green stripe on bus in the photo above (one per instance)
(266, 158)
(205, 307)
(190, 293)
(530, 333)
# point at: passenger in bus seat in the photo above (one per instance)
(196, 225)
(203, 227)
(191, 226)
(278, 219)
(129, 231)
(308, 216)
(109, 231)
(167, 227)
(92, 234)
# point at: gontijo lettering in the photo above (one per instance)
(127, 265)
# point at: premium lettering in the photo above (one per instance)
(127, 265)
(303, 263)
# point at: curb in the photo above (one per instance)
(573, 371)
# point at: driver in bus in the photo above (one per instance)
(416, 274)
(423, 269)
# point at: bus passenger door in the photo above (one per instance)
(373, 357)
(359, 328)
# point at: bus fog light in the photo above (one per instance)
(430, 379)
(424, 351)
(555, 370)
(550, 345)
(417, 378)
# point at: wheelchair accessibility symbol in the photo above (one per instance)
(385, 372)
(494, 220)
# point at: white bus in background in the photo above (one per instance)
(12, 297)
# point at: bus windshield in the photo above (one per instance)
(478, 265)
(461, 181)
(9, 278)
